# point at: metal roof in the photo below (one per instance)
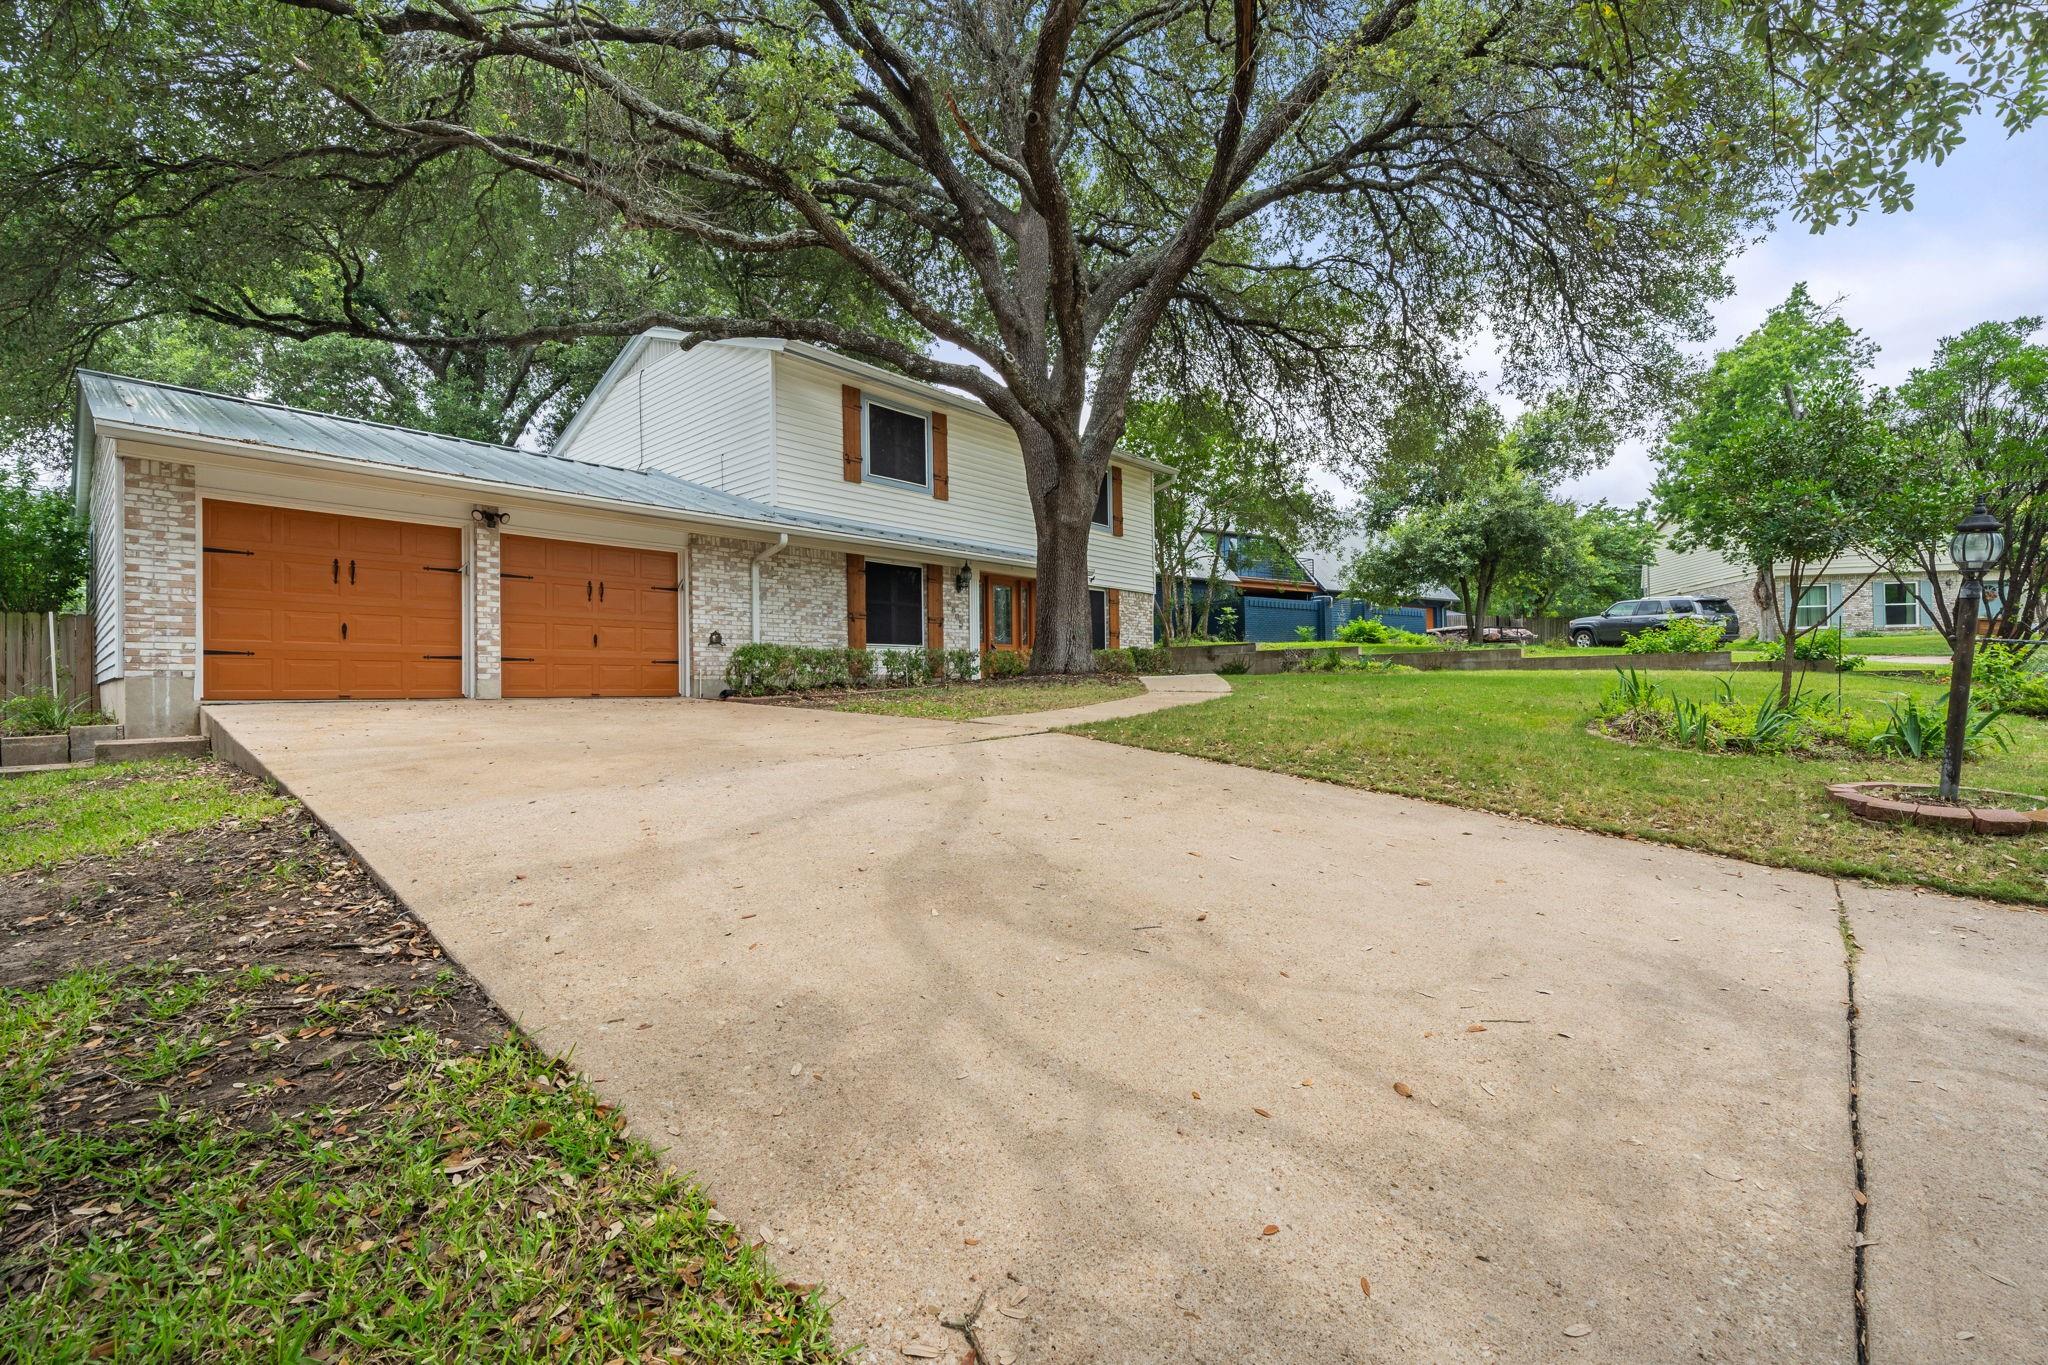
(173, 411)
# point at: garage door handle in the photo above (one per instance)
(586, 590)
(337, 571)
(351, 573)
(344, 630)
(593, 639)
(600, 590)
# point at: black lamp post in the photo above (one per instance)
(1976, 547)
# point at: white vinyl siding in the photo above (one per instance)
(987, 502)
(703, 414)
(105, 522)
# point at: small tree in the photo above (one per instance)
(1599, 562)
(1976, 422)
(43, 556)
(1783, 461)
(1492, 532)
(1225, 479)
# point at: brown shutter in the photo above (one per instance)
(849, 433)
(1116, 500)
(1113, 633)
(940, 488)
(934, 606)
(856, 602)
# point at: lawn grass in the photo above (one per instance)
(1004, 699)
(1517, 743)
(1920, 643)
(249, 1113)
(50, 817)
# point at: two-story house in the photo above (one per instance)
(702, 498)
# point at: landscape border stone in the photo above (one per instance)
(1895, 803)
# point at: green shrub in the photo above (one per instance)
(1001, 663)
(1232, 669)
(769, 670)
(2008, 678)
(1683, 635)
(1115, 662)
(1370, 630)
(1306, 634)
(1153, 659)
(43, 712)
(962, 665)
(1815, 647)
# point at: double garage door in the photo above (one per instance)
(309, 605)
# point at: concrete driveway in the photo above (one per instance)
(1173, 1060)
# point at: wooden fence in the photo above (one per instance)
(25, 653)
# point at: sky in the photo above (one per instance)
(1973, 248)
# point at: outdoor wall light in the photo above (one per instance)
(716, 639)
(1977, 547)
(489, 516)
(962, 578)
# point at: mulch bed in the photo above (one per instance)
(346, 965)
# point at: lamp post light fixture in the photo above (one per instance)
(1977, 547)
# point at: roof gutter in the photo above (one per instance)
(316, 460)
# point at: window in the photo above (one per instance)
(897, 445)
(895, 604)
(1628, 609)
(1098, 619)
(1813, 607)
(1679, 606)
(1102, 506)
(1899, 605)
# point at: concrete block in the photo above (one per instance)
(22, 750)
(133, 750)
(2006, 823)
(85, 737)
(31, 769)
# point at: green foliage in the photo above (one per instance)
(760, 670)
(1003, 663)
(963, 665)
(1305, 634)
(2008, 678)
(1598, 563)
(1913, 730)
(1975, 423)
(1152, 660)
(49, 818)
(43, 712)
(44, 554)
(1370, 630)
(1681, 635)
(1820, 645)
(1116, 662)
(1783, 457)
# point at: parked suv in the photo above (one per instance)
(1624, 619)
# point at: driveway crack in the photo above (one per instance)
(1853, 1019)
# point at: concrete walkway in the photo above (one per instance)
(1115, 1037)
(1162, 692)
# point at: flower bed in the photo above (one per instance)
(781, 670)
(1911, 803)
(1637, 708)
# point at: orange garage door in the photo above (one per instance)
(305, 605)
(588, 620)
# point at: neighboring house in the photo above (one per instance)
(1854, 593)
(1253, 576)
(702, 498)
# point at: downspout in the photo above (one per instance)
(766, 553)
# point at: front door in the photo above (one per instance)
(1006, 614)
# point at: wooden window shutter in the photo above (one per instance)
(856, 602)
(940, 488)
(1113, 635)
(934, 606)
(849, 434)
(1116, 500)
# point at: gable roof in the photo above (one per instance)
(659, 339)
(139, 407)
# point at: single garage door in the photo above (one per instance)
(588, 620)
(308, 605)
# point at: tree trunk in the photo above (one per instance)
(1060, 641)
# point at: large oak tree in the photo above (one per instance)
(1043, 201)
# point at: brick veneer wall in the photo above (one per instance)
(803, 602)
(1134, 619)
(159, 568)
(487, 604)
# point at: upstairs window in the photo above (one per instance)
(1102, 506)
(895, 604)
(898, 445)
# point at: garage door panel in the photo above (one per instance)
(280, 607)
(584, 641)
